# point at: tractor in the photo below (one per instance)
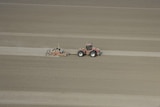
(89, 50)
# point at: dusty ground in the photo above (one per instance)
(125, 26)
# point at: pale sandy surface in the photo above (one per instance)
(119, 75)
(133, 23)
(112, 22)
(110, 3)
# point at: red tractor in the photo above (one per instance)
(89, 50)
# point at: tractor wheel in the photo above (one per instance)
(93, 54)
(80, 53)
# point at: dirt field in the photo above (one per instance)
(105, 81)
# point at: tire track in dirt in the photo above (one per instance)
(42, 52)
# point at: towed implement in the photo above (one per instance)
(57, 52)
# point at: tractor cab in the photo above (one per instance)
(89, 46)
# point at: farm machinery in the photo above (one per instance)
(89, 50)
